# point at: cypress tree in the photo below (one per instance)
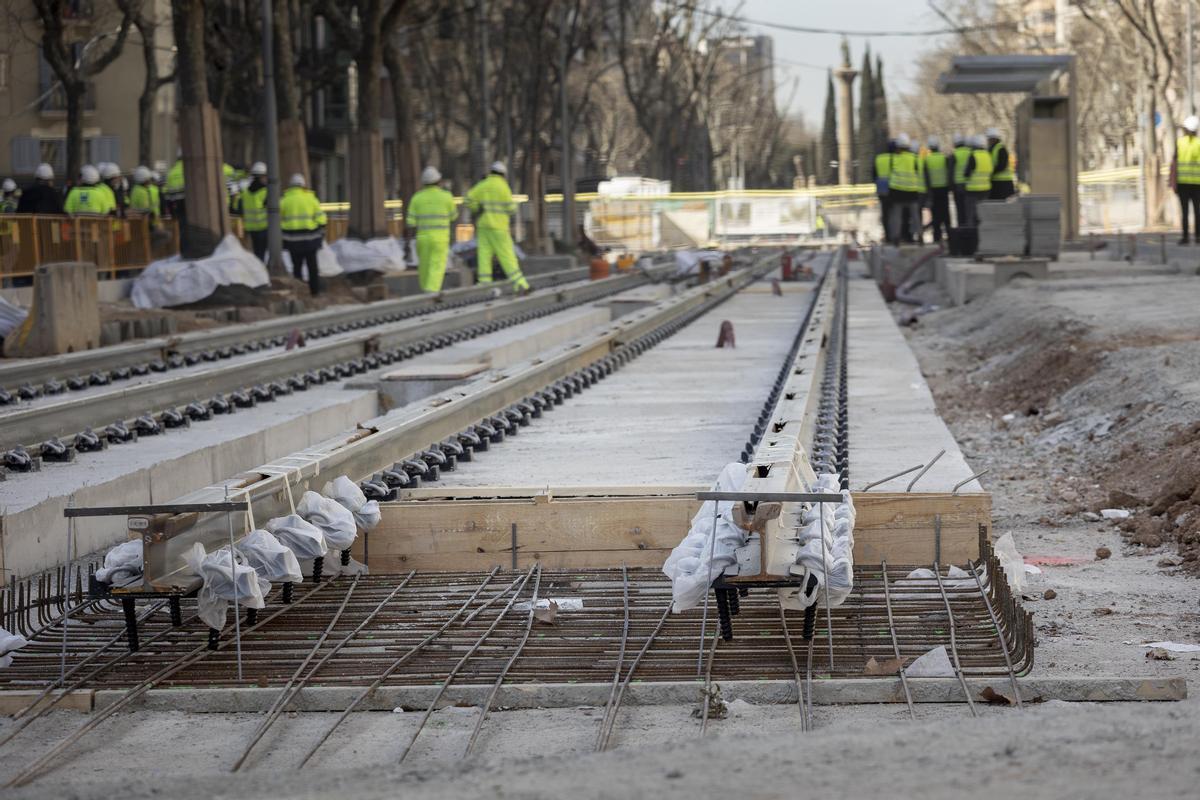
(868, 135)
(827, 173)
(882, 125)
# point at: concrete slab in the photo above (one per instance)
(894, 423)
(435, 372)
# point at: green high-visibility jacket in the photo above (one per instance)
(251, 204)
(1005, 174)
(143, 197)
(491, 202)
(905, 175)
(934, 167)
(1187, 160)
(431, 211)
(961, 154)
(980, 179)
(300, 215)
(93, 198)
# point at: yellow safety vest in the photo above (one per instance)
(883, 165)
(432, 211)
(905, 174)
(961, 154)
(1005, 174)
(94, 199)
(491, 202)
(1187, 160)
(143, 197)
(934, 167)
(300, 215)
(980, 179)
(252, 205)
(175, 181)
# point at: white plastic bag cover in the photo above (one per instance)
(1011, 561)
(174, 281)
(687, 262)
(299, 535)
(218, 572)
(11, 317)
(9, 644)
(830, 560)
(347, 492)
(384, 254)
(333, 568)
(700, 557)
(269, 557)
(328, 265)
(333, 518)
(122, 564)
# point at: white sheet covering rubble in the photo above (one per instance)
(700, 558)
(122, 564)
(687, 262)
(220, 573)
(9, 644)
(269, 557)
(11, 317)
(347, 492)
(384, 254)
(174, 281)
(299, 535)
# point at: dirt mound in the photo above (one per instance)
(1170, 479)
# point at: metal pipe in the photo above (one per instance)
(870, 486)
(965, 481)
(924, 469)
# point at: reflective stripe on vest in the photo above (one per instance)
(1005, 174)
(431, 210)
(254, 209)
(980, 179)
(1187, 156)
(904, 176)
(935, 170)
(961, 154)
(883, 165)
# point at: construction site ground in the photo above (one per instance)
(1099, 377)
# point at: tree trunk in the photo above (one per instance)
(293, 140)
(146, 122)
(74, 93)
(407, 151)
(368, 217)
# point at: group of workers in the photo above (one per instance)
(907, 178)
(431, 213)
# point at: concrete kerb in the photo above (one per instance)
(842, 691)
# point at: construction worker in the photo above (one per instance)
(303, 224)
(881, 170)
(962, 153)
(1003, 186)
(40, 197)
(90, 197)
(173, 188)
(8, 197)
(431, 211)
(251, 205)
(978, 173)
(110, 174)
(143, 197)
(904, 191)
(490, 201)
(1185, 175)
(935, 168)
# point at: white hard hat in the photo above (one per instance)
(9, 185)
(89, 174)
(258, 168)
(1192, 123)
(44, 172)
(498, 166)
(933, 142)
(141, 174)
(902, 141)
(109, 170)
(992, 133)
(914, 146)
(958, 139)
(155, 175)
(979, 140)
(297, 180)
(431, 175)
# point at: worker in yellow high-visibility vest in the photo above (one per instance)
(491, 202)
(90, 197)
(431, 211)
(1003, 177)
(303, 225)
(143, 197)
(904, 192)
(1185, 174)
(881, 170)
(251, 205)
(960, 156)
(935, 166)
(978, 173)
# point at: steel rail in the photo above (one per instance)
(887, 596)
(536, 567)
(200, 652)
(69, 415)
(398, 663)
(491, 697)
(954, 641)
(129, 354)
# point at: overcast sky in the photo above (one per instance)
(805, 56)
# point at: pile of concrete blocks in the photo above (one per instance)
(1044, 215)
(1001, 229)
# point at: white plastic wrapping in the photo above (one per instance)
(347, 492)
(299, 535)
(384, 254)
(174, 281)
(334, 519)
(9, 644)
(122, 564)
(219, 572)
(328, 265)
(700, 558)
(269, 557)
(826, 538)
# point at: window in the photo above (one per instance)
(3, 72)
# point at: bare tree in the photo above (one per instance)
(147, 24)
